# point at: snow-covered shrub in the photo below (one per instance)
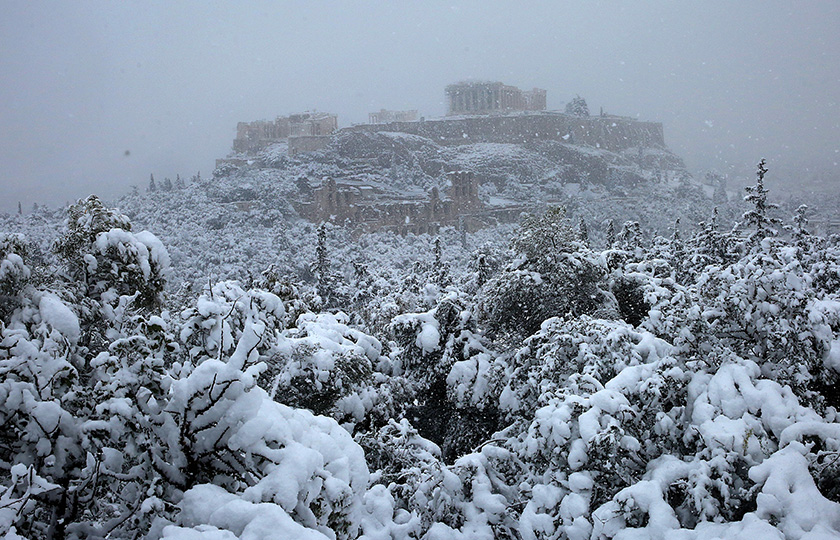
(39, 394)
(452, 371)
(630, 297)
(425, 497)
(104, 255)
(759, 307)
(251, 465)
(327, 367)
(84, 426)
(14, 274)
(216, 323)
(296, 299)
(421, 487)
(553, 274)
(18, 498)
(596, 348)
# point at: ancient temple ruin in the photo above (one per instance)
(371, 206)
(251, 137)
(492, 97)
(385, 116)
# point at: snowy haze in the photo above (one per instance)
(97, 95)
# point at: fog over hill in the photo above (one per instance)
(100, 95)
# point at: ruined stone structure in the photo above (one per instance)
(307, 143)
(251, 137)
(385, 116)
(492, 98)
(370, 207)
(479, 112)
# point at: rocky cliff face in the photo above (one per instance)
(206, 223)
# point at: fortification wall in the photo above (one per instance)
(611, 133)
(307, 143)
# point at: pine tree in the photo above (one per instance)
(676, 248)
(757, 219)
(179, 182)
(630, 235)
(322, 264)
(152, 186)
(800, 223)
(439, 271)
(719, 196)
(577, 107)
(583, 231)
(610, 234)
(108, 259)
(167, 184)
(552, 274)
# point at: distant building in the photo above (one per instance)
(492, 97)
(312, 124)
(385, 116)
(251, 137)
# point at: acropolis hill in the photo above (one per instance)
(477, 112)
(394, 174)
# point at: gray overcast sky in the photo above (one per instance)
(84, 82)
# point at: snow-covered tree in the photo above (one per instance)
(758, 219)
(577, 107)
(552, 274)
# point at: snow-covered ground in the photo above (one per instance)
(241, 373)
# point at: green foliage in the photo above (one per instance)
(630, 297)
(758, 218)
(104, 256)
(14, 274)
(553, 275)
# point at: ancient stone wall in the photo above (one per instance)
(312, 124)
(307, 143)
(385, 116)
(365, 210)
(608, 132)
(464, 191)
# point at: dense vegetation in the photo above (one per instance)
(653, 388)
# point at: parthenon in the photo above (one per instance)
(492, 97)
